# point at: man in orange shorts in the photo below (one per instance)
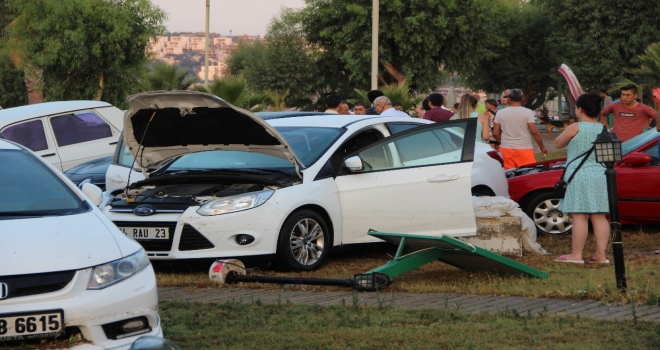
(513, 126)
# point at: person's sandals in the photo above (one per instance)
(565, 259)
(657, 251)
(594, 261)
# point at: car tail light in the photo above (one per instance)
(497, 156)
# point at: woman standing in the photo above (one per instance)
(586, 195)
(466, 108)
(491, 111)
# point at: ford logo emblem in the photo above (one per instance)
(143, 211)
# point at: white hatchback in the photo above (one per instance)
(223, 182)
(64, 133)
(65, 269)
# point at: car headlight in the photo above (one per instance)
(234, 203)
(108, 274)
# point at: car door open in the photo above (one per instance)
(416, 182)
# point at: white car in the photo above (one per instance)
(65, 269)
(223, 182)
(65, 133)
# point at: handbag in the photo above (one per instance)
(561, 186)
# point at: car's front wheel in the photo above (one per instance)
(304, 241)
(543, 209)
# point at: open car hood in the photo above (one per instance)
(161, 125)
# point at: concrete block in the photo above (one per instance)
(502, 235)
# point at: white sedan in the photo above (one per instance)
(222, 182)
(65, 269)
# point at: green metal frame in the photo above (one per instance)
(402, 264)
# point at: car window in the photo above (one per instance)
(29, 134)
(428, 146)
(229, 160)
(125, 157)
(396, 128)
(79, 127)
(309, 143)
(39, 194)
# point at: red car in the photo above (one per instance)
(638, 186)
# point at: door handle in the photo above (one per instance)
(116, 178)
(112, 143)
(48, 155)
(443, 178)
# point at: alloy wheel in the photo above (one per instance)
(307, 241)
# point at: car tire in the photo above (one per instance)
(304, 242)
(543, 209)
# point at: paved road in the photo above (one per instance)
(462, 302)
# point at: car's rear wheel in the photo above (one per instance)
(304, 241)
(543, 209)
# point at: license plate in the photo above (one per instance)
(147, 232)
(41, 324)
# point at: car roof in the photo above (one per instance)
(334, 120)
(17, 114)
(4, 144)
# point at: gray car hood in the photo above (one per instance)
(161, 125)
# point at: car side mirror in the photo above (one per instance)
(354, 164)
(637, 159)
(93, 192)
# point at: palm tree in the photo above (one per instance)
(397, 93)
(169, 77)
(233, 89)
(649, 70)
(277, 99)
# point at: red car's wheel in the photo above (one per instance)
(543, 208)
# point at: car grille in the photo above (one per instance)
(39, 283)
(152, 245)
(191, 239)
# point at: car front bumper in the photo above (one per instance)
(89, 310)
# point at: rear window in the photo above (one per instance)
(29, 188)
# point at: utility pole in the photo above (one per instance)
(374, 45)
(206, 46)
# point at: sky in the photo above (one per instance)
(249, 17)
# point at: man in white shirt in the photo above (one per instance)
(513, 127)
(333, 102)
(383, 106)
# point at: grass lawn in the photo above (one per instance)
(255, 326)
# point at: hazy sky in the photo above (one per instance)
(241, 16)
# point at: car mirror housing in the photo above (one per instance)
(93, 192)
(637, 159)
(354, 164)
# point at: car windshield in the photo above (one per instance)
(639, 140)
(29, 189)
(308, 143)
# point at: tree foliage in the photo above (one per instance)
(86, 49)
(649, 71)
(601, 39)
(169, 77)
(284, 62)
(418, 37)
(523, 58)
(234, 89)
(12, 87)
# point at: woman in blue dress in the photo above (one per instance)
(586, 195)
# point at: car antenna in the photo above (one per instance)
(128, 182)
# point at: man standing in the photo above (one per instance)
(343, 108)
(372, 96)
(630, 116)
(607, 100)
(505, 100)
(437, 113)
(513, 126)
(359, 109)
(383, 106)
(333, 102)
